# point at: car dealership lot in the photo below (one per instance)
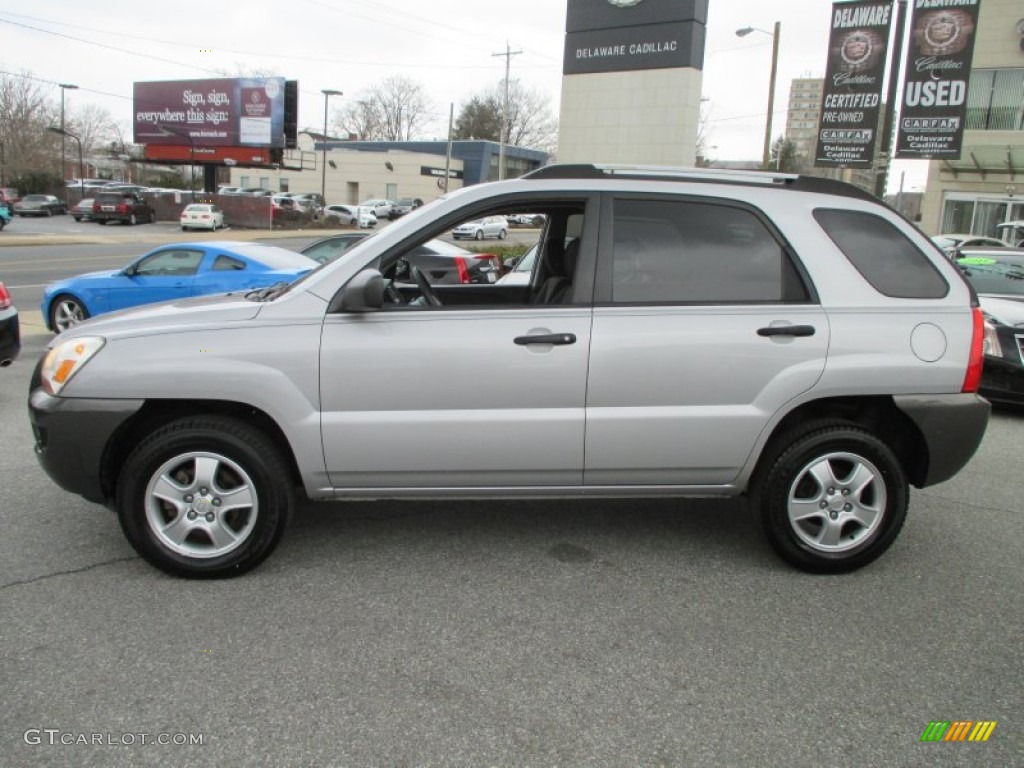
(513, 633)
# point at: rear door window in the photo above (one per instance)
(695, 252)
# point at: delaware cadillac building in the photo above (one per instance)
(984, 186)
(631, 81)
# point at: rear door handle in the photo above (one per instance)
(786, 330)
(546, 338)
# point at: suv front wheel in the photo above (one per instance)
(205, 497)
(833, 497)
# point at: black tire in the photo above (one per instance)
(102, 221)
(479, 235)
(848, 520)
(239, 454)
(184, 228)
(78, 218)
(49, 212)
(152, 217)
(502, 234)
(133, 219)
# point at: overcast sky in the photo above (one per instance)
(103, 46)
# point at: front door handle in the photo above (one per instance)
(546, 338)
(786, 330)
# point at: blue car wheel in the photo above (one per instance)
(66, 311)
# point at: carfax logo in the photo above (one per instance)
(958, 730)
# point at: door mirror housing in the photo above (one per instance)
(363, 293)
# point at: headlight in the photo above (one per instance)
(990, 344)
(64, 361)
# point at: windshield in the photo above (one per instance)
(273, 256)
(991, 275)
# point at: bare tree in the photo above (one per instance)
(529, 122)
(94, 126)
(397, 110)
(26, 111)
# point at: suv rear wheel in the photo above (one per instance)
(205, 497)
(833, 497)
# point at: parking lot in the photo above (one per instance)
(555, 633)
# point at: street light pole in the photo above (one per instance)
(64, 87)
(775, 34)
(327, 92)
(81, 171)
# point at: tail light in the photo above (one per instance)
(977, 357)
(5, 297)
(460, 264)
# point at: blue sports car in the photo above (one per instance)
(169, 273)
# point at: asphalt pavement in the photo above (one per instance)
(519, 633)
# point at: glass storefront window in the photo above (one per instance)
(957, 216)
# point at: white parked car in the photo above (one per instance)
(353, 215)
(202, 216)
(381, 208)
(492, 226)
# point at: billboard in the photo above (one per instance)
(858, 48)
(935, 79)
(627, 35)
(236, 112)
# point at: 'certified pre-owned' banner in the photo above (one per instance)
(848, 127)
(935, 79)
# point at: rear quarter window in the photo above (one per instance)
(883, 255)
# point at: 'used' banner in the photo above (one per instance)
(937, 71)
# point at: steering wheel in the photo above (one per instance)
(426, 291)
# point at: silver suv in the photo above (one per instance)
(682, 333)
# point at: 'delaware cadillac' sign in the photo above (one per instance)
(625, 35)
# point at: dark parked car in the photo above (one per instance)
(329, 248)
(998, 278)
(441, 262)
(40, 205)
(126, 207)
(83, 209)
(10, 334)
(404, 206)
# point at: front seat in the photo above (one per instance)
(560, 265)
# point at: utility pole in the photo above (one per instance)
(508, 54)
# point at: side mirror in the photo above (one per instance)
(363, 293)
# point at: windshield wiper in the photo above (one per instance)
(268, 293)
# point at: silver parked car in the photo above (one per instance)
(683, 333)
(479, 229)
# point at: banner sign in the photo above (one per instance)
(246, 112)
(628, 35)
(858, 44)
(935, 79)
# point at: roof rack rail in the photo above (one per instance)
(792, 181)
(603, 170)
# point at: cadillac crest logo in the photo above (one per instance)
(624, 3)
